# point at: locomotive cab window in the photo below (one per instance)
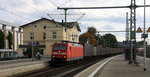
(60, 47)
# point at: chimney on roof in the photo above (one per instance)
(62, 21)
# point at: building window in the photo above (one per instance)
(44, 35)
(44, 27)
(54, 35)
(35, 26)
(31, 35)
(41, 51)
(69, 36)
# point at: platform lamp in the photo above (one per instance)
(144, 39)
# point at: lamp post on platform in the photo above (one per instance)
(144, 39)
(32, 36)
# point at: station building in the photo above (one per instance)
(10, 52)
(44, 32)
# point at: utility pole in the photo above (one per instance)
(32, 36)
(66, 22)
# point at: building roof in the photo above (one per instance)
(37, 21)
(69, 24)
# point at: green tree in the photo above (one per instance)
(98, 38)
(28, 52)
(1, 39)
(10, 41)
(140, 43)
(108, 40)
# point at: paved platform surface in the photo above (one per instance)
(12, 67)
(20, 62)
(118, 67)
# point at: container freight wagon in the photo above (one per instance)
(107, 51)
(88, 51)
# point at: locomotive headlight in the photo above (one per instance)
(64, 56)
(53, 56)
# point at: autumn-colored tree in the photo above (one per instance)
(89, 36)
(92, 30)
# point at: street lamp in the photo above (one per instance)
(144, 39)
(32, 36)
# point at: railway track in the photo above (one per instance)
(63, 71)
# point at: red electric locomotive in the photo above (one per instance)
(65, 52)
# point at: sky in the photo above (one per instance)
(20, 12)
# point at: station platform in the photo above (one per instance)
(11, 67)
(18, 61)
(117, 66)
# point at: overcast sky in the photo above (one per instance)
(24, 11)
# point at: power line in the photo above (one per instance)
(52, 3)
(74, 4)
(65, 3)
(57, 6)
(64, 14)
(79, 9)
(35, 8)
(111, 31)
(30, 6)
(14, 14)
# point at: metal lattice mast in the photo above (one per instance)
(133, 20)
(133, 7)
(127, 27)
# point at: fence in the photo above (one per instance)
(7, 54)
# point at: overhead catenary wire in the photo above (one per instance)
(53, 19)
(12, 12)
(60, 4)
(78, 19)
(79, 9)
(31, 6)
(65, 3)
(15, 14)
(20, 15)
(67, 14)
(40, 11)
(45, 13)
(52, 3)
(59, 10)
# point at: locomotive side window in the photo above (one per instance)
(60, 47)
